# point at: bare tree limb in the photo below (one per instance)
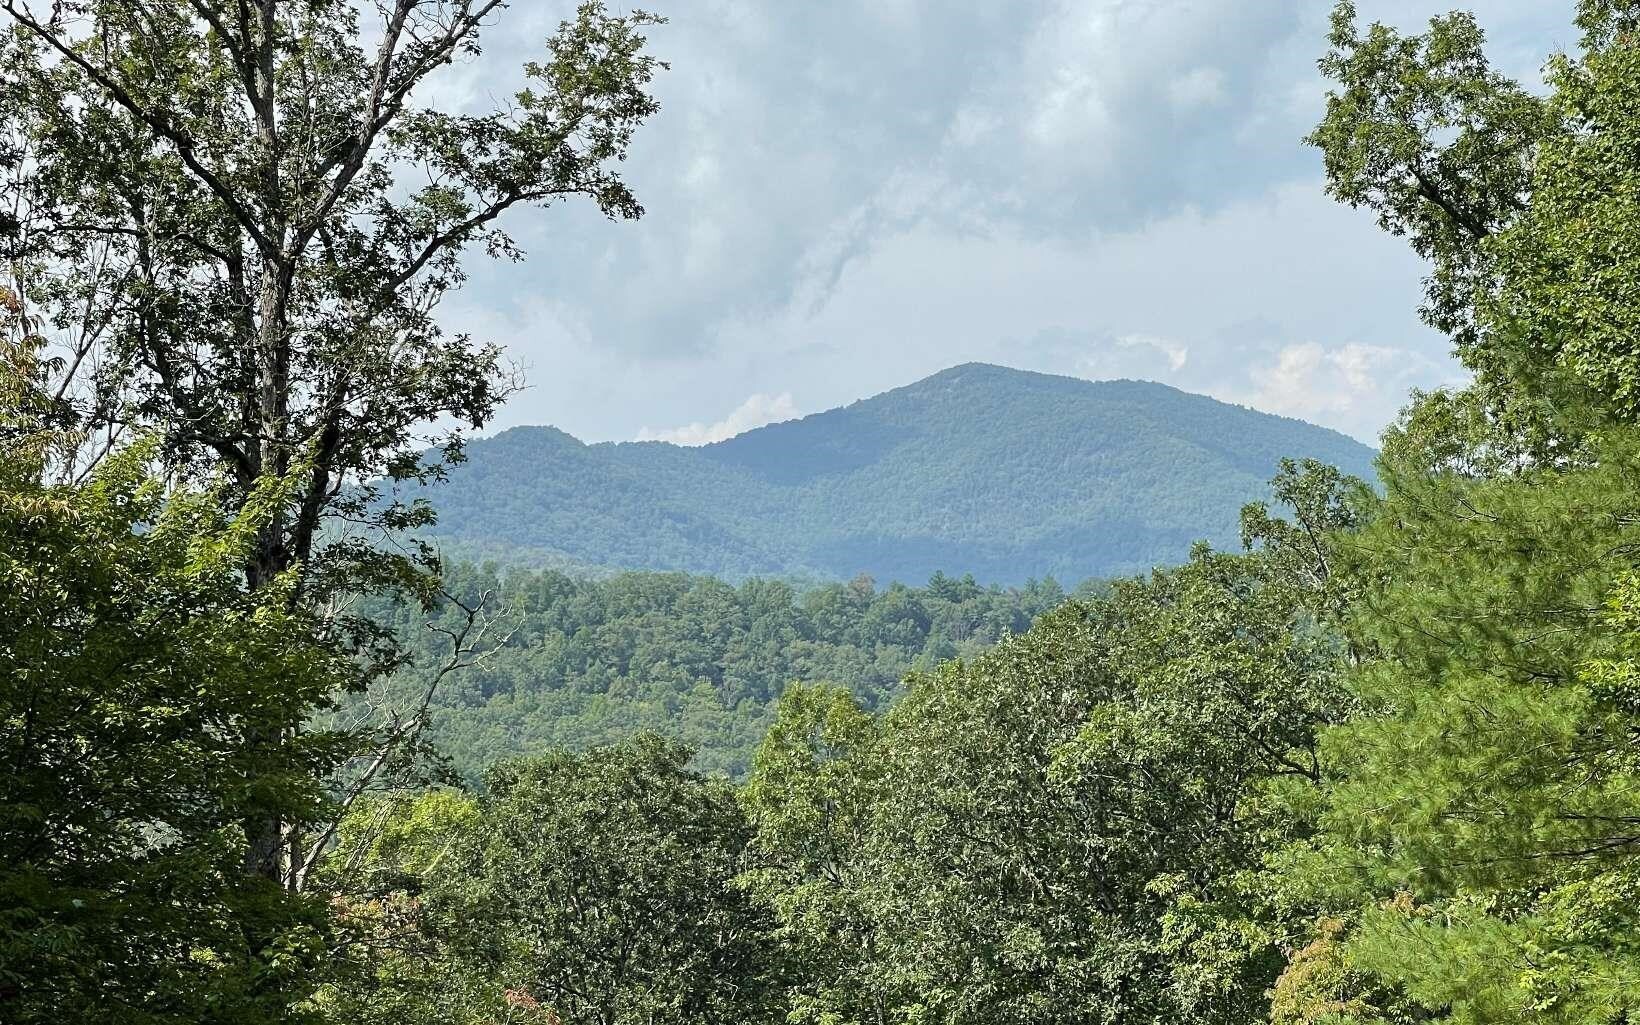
(467, 649)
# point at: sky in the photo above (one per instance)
(843, 198)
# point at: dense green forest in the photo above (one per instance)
(1376, 763)
(578, 662)
(980, 469)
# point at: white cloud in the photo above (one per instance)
(1309, 380)
(1177, 353)
(1201, 301)
(792, 140)
(1100, 357)
(756, 411)
(1349, 386)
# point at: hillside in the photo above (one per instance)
(1005, 474)
(591, 662)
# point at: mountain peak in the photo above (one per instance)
(983, 373)
(1003, 473)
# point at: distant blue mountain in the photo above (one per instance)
(1004, 474)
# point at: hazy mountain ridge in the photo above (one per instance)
(1005, 474)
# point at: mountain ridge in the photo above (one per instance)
(1006, 474)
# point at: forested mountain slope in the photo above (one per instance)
(1004, 474)
(586, 662)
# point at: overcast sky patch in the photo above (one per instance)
(843, 198)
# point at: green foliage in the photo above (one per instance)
(217, 209)
(597, 887)
(1065, 828)
(133, 667)
(231, 225)
(1421, 130)
(1003, 474)
(1566, 267)
(590, 662)
(1478, 817)
(391, 967)
(1523, 205)
(1379, 767)
(814, 798)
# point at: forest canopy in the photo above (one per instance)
(584, 662)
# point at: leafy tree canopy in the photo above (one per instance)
(597, 887)
(1063, 828)
(580, 663)
(232, 223)
(133, 668)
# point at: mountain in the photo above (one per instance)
(1003, 474)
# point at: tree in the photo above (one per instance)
(238, 220)
(1566, 266)
(588, 662)
(1069, 826)
(392, 968)
(811, 798)
(1522, 204)
(1422, 131)
(598, 887)
(1478, 815)
(1474, 857)
(133, 668)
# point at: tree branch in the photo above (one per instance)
(178, 138)
(387, 103)
(1432, 192)
(466, 651)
